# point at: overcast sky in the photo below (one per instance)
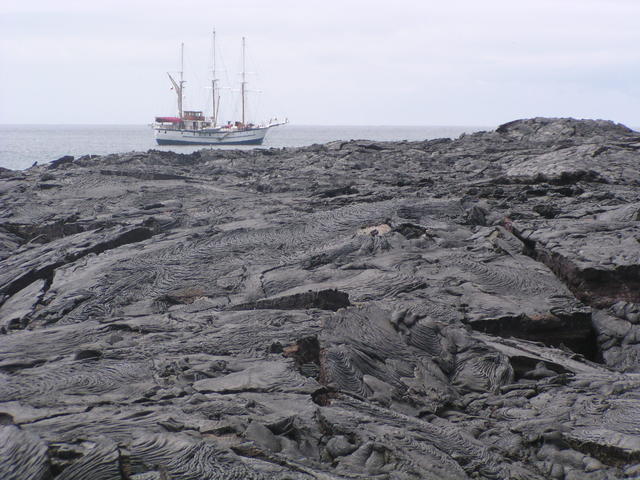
(392, 62)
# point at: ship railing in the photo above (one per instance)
(165, 126)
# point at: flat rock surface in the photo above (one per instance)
(446, 309)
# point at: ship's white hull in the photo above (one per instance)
(253, 136)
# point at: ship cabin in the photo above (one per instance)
(191, 120)
(194, 120)
(193, 115)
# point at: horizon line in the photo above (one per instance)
(290, 124)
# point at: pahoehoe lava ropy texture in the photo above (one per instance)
(446, 309)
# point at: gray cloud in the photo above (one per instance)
(329, 62)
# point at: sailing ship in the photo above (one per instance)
(193, 127)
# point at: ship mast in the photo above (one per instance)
(244, 83)
(180, 94)
(214, 90)
(178, 86)
(181, 97)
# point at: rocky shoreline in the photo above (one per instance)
(446, 309)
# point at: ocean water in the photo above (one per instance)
(23, 145)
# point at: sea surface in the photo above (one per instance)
(23, 145)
